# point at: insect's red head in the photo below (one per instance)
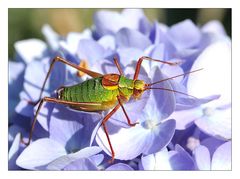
(139, 86)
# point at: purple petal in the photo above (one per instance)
(51, 36)
(181, 160)
(161, 137)
(65, 160)
(216, 124)
(147, 139)
(31, 49)
(222, 157)
(132, 38)
(214, 27)
(183, 38)
(127, 55)
(104, 20)
(71, 128)
(90, 50)
(72, 40)
(108, 42)
(157, 161)
(83, 164)
(14, 153)
(40, 153)
(218, 53)
(185, 118)
(212, 144)
(119, 167)
(202, 157)
(164, 100)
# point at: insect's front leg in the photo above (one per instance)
(128, 119)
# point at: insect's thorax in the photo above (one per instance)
(125, 87)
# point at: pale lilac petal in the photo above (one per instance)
(140, 139)
(72, 40)
(31, 49)
(214, 27)
(180, 159)
(104, 20)
(62, 126)
(185, 118)
(62, 161)
(83, 164)
(40, 153)
(157, 161)
(108, 42)
(215, 78)
(90, 50)
(202, 158)
(128, 55)
(51, 36)
(119, 167)
(132, 38)
(183, 38)
(212, 144)
(164, 100)
(222, 157)
(161, 137)
(218, 124)
(14, 153)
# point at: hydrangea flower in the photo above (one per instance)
(174, 129)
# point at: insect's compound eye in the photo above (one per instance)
(137, 93)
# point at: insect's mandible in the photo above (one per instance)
(101, 92)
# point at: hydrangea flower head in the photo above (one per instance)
(174, 128)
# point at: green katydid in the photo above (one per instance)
(101, 92)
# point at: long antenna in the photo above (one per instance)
(166, 89)
(187, 73)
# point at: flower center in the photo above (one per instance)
(208, 111)
(149, 124)
(83, 64)
(192, 143)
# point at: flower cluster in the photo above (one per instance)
(175, 131)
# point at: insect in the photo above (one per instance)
(101, 92)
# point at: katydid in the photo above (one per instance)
(101, 92)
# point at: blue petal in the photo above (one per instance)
(51, 36)
(161, 136)
(104, 20)
(183, 38)
(164, 100)
(202, 158)
(63, 161)
(128, 55)
(14, 153)
(132, 38)
(90, 50)
(181, 160)
(119, 167)
(136, 139)
(40, 153)
(67, 127)
(84, 164)
(31, 49)
(222, 157)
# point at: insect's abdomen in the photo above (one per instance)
(89, 91)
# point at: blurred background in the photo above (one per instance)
(27, 23)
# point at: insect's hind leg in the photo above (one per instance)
(106, 132)
(58, 101)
